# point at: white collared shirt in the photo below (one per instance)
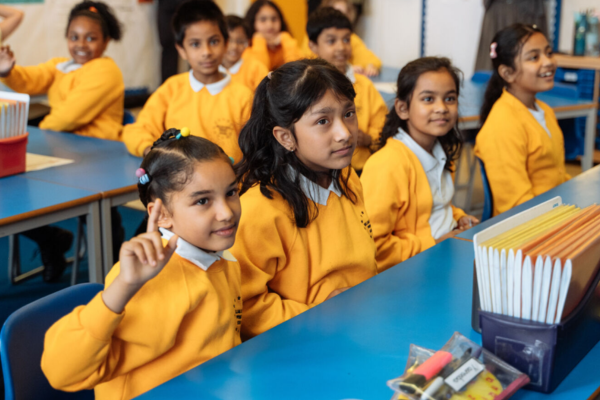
(350, 74)
(196, 256)
(235, 68)
(441, 220)
(539, 116)
(68, 66)
(213, 88)
(312, 190)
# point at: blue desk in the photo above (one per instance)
(349, 346)
(471, 99)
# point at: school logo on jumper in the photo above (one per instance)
(224, 128)
(237, 306)
(366, 223)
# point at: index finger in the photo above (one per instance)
(154, 217)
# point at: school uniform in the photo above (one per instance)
(285, 269)
(84, 99)
(408, 196)
(189, 313)
(247, 71)
(370, 112)
(361, 55)
(287, 51)
(216, 112)
(522, 150)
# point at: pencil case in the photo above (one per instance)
(12, 155)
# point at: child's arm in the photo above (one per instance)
(31, 80)
(99, 85)
(362, 56)
(379, 111)
(12, 19)
(291, 51)
(80, 350)
(259, 50)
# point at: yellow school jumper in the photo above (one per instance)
(247, 71)
(85, 99)
(287, 51)
(189, 313)
(370, 112)
(285, 269)
(216, 112)
(522, 159)
(361, 55)
(399, 201)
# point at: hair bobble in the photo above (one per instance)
(269, 74)
(93, 9)
(143, 177)
(493, 53)
(183, 132)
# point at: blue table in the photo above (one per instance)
(471, 99)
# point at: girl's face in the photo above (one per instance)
(433, 108)
(267, 22)
(325, 135)
(85, 40)
(207, 211)
(535, 66)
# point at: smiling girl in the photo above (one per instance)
(520, 142)
(305, 235)
(86, 92)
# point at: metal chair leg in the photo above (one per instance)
(79, 251)
(14, 261)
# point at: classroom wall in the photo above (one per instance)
(567, 24)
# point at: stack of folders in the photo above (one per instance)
(538, 265)
(14, 108)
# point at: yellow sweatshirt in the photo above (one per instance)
(285, 269)
(178, 320)
(248, 72)
(370, 111)
(521, 160)
(218, 118)
(361, 55)
(399, 201)
(286, 52)
(87, 101)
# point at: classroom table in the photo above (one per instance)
(471, 99)
(27, 203)
(101, 166)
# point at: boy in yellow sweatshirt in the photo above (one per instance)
(169, 305)
(329, 32)
(86, 92)
(205, 99)
(242, 67)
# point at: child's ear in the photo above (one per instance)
(401, 108)
(507, 73)
(165, 220)
(181, 51)
(313, 47)
(285, 138)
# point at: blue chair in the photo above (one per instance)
(128, 117)
(488, 202)
(22, 343)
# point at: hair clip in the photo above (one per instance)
(93, 9)
(143, 177)
(183, 132)
(493, 53)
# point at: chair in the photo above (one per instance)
(488, 203)
(22, 343)
(128, 117)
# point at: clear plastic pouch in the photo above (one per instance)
(461, 370)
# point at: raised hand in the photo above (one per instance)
(7, 61)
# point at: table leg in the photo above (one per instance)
(107, 247)
(589, 140)
(94, 243)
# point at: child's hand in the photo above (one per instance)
(358, 69)
(7, 61)
(371, 70)
(364, 140)
(336, 292)
(467, 222)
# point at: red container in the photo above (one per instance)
(12, 155)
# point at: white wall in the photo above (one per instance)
(569, 7)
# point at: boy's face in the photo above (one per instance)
(237, 43)
(333, 46)
(203, 48)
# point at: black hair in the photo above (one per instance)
(170, 164)
(509, 43)
(255, 8)
(191, 11)
(281, 100)
(101, 13)
(233, 22)
(325, 18)
(407, 81)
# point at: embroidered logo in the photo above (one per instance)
(224, 128)
(237, 307)
(366, 223)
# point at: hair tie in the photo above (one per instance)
(493, 53)
(183, 132)
(269, 74)
(93, 9)
(143, 177)
(232, 160)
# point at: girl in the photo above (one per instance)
(363, 60)
(305, 235)
(408, 182)
(520, 142)
(161, 313)
(271, 43)
(85, 93)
